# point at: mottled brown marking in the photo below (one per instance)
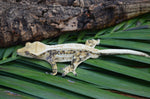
(70, 58)
(61, 52)
(73, 60)
(80, 59)
(54, 70)
(78, 53)
(71, 51)
(67, 52)
(57, 59)
(43, 54)
(29, 54)
(82, 54)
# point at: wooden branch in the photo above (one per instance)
(30, 20)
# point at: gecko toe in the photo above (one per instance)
(46, 72)
(63, 74)
(53, 74)
(75, 75)
(74, 72)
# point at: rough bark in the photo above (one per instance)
(30, 20)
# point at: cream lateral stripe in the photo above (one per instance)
(72, 46)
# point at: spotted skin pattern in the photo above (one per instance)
(74, 53)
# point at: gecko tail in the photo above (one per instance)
(122, 51)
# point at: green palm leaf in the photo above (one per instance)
(23, 78)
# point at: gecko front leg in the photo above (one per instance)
(78, 58)
(54, 68)
(51, 60)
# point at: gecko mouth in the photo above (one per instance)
(17, 52)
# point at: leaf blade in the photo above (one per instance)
(79, 88)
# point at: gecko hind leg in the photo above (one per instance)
(92, 43)
(77, 59)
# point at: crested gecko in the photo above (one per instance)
(76, 53)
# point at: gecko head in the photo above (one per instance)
(25, 51)
(32, 49)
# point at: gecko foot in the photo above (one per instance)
(68, 70)
(53, 73)
(63, 74)
(74, 72)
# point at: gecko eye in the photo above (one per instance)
(27, 52)
(28, 44)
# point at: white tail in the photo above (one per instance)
(122, 51)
